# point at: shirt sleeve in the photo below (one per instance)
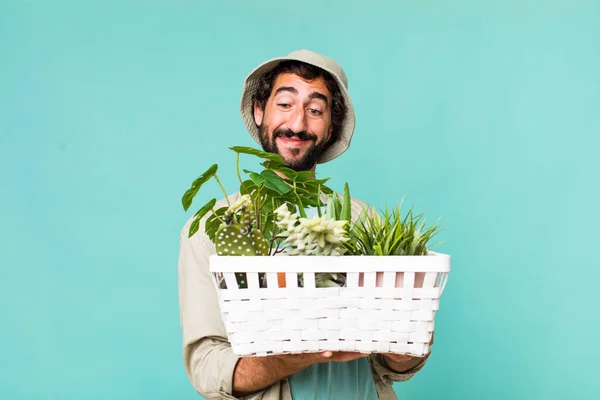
(386, 376)
(208, 359)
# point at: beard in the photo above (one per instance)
(303, 163)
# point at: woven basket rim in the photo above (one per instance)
(433, 262)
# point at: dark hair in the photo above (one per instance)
(308, 72)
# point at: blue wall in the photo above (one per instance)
(485, 115)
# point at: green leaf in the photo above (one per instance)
(259, 153)
(301, 208)
(332, 206)
(288, 172)
(346, 206)
(319, 181)
(213, 223)
(257, 179)
(199, 215)
(188, 196)
(247, 187)
(194, 227)
(205, 209)
(326, 189)
(274, 182)
(305, 175)
(313, 187)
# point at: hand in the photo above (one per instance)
(306, 359)
(256, 373)
(398, 358)
(403, 362)
(341, 356)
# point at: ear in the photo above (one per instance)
(258, 114)
(329, 133)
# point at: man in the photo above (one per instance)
(299, 107)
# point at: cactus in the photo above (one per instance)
(240, 238)
(232, 240)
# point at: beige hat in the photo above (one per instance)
(309, 57)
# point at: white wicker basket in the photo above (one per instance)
(387, 306)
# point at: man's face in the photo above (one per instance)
(296, 121)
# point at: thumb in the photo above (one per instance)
(327, 354)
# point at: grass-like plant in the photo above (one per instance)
(390, 234)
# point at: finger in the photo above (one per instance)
(348, 356)
(327, 354)
(356, 354)
(398, 357)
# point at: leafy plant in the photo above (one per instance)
(277, 189)
(267, 191)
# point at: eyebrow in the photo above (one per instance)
(293, 90)
(317, 95)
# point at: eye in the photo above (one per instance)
(284, 105)
(314, 112)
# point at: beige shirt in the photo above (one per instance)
(207, 356)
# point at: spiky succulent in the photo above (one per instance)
(319, 235)
(316, 236)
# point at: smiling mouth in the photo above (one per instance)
(292, 141)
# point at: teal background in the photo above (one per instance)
(486, 114)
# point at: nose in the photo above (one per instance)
(297, 121)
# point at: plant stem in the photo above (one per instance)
(274, 221)
(223, 189)
(272, 240)
(215, 214)
(275, 237)
(257, 208)
(237, 168)
(300, 205)
(319, 201)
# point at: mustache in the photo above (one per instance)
(290, 134)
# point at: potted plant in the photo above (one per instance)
(333, 290)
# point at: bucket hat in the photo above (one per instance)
(327, 64)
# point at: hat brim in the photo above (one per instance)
(347, 126)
